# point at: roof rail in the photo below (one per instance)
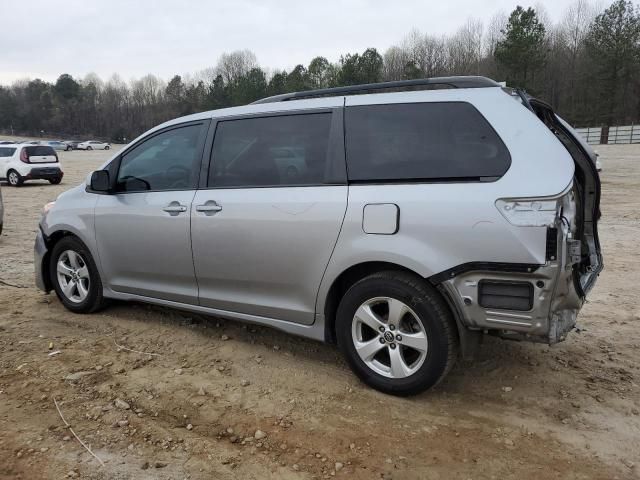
(452, 82)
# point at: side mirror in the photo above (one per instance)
(100, 181)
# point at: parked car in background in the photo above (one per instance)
(55, 144)
(402, 225)
(20, 163)
(71, 144)
(93, 145)
(6, 142)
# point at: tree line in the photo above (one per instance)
(586, 65)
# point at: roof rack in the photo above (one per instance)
(451, 82)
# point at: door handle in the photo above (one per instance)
(174, 208)
(208, 208)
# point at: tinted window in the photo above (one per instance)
(6, 152)
(449, 140)
(167, 161)
(271, 151)
(39, 151)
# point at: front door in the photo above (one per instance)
(264, 229)
(143, 228)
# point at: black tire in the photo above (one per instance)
(94, 300)
(89, 148)
(14, 178)
(67, 149)
(55, 181)
(107, 147)
(430, 310)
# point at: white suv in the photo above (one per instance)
(19, 163)
(401, 225)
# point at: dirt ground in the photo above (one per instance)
(520, 411)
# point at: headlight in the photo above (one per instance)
(47, 207)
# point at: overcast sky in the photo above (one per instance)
(44, 38)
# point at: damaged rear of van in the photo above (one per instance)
(539, 302)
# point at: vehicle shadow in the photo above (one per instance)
(498, 363)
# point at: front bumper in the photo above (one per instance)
(40, 252)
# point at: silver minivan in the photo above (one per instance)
(402, 221)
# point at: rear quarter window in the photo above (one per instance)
(6, 152)
(40, 151)
(434, 141)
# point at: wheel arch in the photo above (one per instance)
(356, 272)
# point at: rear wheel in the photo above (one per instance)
(75, 277)
(55, 181)
(107, 147)
(396, 333)
(14, 178)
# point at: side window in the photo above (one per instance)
(167, 161)
(422, 141)
(283, 150)
(6, 152)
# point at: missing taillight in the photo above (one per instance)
(529, 212)
(532, 212)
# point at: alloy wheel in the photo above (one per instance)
(73, 276)
(14, 179)
(389, 337)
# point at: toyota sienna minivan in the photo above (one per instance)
(401, 220)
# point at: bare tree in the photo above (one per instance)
(414, 47)
(543, 15)
(395, 61)
(465, 48)
(435, 56)
(235, 65)
(574, 25)
(493, 32)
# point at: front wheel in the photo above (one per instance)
(55, 181)
(89, 148)
(107, 147)
(75, 277)
(396, 333)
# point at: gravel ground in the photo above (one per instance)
(219, 399)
